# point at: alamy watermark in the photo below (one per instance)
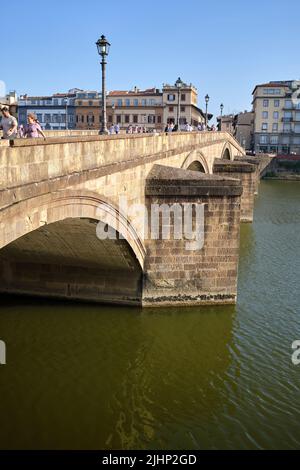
(296, 353)
(177, 221)
(2, 353)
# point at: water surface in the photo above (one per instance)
(83, 376)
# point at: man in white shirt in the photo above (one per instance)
(9, 124)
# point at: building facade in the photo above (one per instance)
(182, 104)
(226, 123)
(88, 109)
(56, 112)
(277, 117)
(241, 126)
(143, 108)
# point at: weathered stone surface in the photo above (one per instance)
(247, 175)
(175, 275)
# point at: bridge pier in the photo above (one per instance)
(248, 176)
(178, 272)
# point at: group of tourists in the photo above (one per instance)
(171, 127)
(11, 130)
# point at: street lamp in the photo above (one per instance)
(221, 109)
(103, 49)
(178, 84)
(66, 103)
(206, 106)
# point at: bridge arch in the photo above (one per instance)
(54, 251)
(68, 204)
(227, 152)
(196, 161)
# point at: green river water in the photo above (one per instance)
(82, 376)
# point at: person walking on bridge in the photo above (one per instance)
(9, 124)
(33, 129)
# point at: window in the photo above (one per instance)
(158, 119)
(297, 128)
(171, 97)
(263, 139)
(182, 109)
(119, 118)
(152, 102)
(276, 103)
(285, 140)
(136, 102)
(265, 114)
(286, 128)
(79, 103)
(151, 119)
(183, 97)
(120, 102)
(171, 109)
(265, 103)
(39, 117)
(90, 103)
(274, 139)
(144, 102)
(135, 118)
(287, 116)
(288, 104)
(82, 118)
(296, 140)
(109, 118)
(297, 116)
(264, 126)
(275, 115)
(275, 127)
(127, 103)
(271, 91)
(127, 118)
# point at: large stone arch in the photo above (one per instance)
(49, 247)
(196, 161)
(227, 152)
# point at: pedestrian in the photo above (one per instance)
(112, 129)
(9, 125)
(117, 128)
(33, 128)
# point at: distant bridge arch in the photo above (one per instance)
(196, 161)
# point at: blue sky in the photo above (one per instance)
(223, 47)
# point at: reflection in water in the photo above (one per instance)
(87, 376)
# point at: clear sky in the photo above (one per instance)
(223, 47)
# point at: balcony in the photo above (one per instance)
(286, 119)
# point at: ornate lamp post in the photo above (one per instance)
(178, 84)
(206, 107)
(103, 49)
(221, 109)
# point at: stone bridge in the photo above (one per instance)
(54, 193)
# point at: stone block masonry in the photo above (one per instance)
(177, 276)
(248, 176)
